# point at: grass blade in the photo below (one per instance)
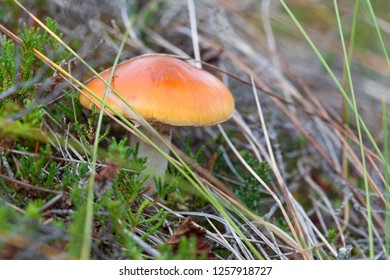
(356, 113)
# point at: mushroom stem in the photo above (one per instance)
(156, 164)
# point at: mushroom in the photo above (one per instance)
(166, 92)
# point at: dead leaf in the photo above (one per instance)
(187, 228)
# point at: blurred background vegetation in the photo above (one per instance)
(293, 175)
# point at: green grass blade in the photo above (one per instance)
(335, 80)
(345, 109)
(387, 177)
(87, 232)
(356, 113)
(385, 132)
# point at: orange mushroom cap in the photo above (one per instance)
(166, 90)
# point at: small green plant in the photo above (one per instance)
(250, 192)
(128, 193)
(20, 74)
(33, 209)
(116, 212)
(31, 169)
(7, 65)
(331, 236)
(69, 108)
(126, 155)
(87, 132)
(194, 156)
